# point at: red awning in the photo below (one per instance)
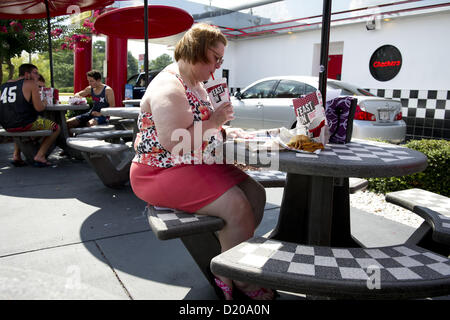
(35, 9)
(163, 21)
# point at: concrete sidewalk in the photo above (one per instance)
(64, 235)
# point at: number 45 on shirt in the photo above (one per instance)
(9, 95)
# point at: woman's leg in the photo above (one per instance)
(241, 209)
(256, 195)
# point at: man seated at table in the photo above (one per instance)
(20, 103)
(102, 96)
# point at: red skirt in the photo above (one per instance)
(183, 187)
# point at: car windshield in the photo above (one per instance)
(348, 90)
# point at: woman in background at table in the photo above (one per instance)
(103, 97)
(174, 103)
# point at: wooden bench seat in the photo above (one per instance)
(101, 127)
(111, 161)
(432, 207)
(396, 272)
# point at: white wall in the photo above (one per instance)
(421, 39)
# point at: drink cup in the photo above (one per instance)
(218, 91)
(55, 96)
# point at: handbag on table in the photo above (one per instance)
(339, 113)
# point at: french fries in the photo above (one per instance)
(302, 142)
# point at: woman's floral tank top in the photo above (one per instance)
(149, 150)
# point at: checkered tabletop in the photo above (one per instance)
(430, 206)
(362, 151)
(268, 175)
(168, 223)
(298, 266)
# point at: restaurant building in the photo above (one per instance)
(403, 55)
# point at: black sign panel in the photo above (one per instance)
(385, 63)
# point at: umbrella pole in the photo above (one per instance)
(324, 45)
(50, 55)
(146, 41)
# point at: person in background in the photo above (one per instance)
(20, 104)
(176, 101)
(103, 97)
(41, 81)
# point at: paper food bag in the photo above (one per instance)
(311, 119)
(47, 95)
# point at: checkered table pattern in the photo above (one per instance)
(267, 175)
(395, 263)
(428, 205)
(294, 265)
(169, 223)
(361, 151)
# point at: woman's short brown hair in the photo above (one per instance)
(195, 42)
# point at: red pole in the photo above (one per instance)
(82, 64)
(116, 60)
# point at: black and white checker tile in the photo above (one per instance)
(435, 202)
(360, 151)
(267, 175)
(171, 218)
(426, 112)
(396, 263)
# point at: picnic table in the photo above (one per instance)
(316, 203)
(132, 102)
(57, 113)
(311, 250)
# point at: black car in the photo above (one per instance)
(135, 87)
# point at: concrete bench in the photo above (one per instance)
(432, 207)
(197, 232)
(108, 135)
(28, 142)
(396, 272)
(275, 179)
(101, 127)
(34, 133)
(111, 161)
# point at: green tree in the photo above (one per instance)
(98, 55)
(161, 62)
(132, 65)
(24, 35)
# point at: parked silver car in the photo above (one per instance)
(267, 103)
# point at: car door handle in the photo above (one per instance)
(259, 105)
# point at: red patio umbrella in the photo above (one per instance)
(37, 9)
(144, 22)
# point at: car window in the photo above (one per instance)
(259, 90)
(309, 89)
(348, 90)
(289, 89)
(141, 81)
(132, 79)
